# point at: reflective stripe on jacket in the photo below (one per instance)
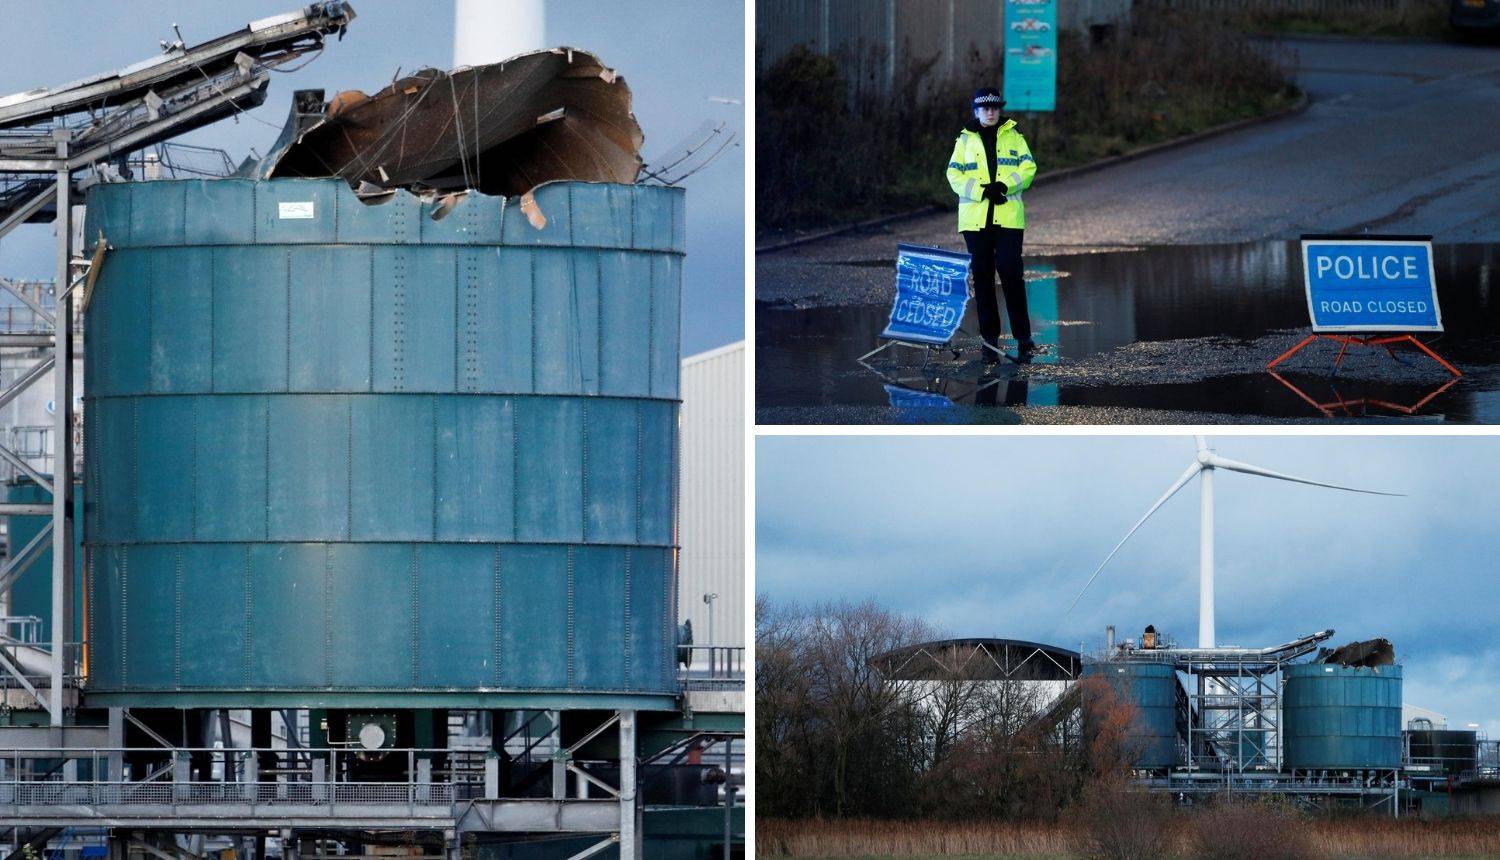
(969, 172)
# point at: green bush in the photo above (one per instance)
(825, 158)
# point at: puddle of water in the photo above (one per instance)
(1097, 315)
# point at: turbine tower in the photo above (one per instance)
(1203, 467)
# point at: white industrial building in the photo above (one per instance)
(713, 495)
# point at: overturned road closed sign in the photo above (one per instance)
(931, 294)
(1369, 284)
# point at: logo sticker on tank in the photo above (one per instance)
(295, 209)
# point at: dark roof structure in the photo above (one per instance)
(979, 659)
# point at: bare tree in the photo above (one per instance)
(835, 736)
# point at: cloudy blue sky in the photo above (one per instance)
(993, 536)
(675, 54)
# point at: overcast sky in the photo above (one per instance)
(676, 56)
(987, 536)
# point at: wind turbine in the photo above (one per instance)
(1203, 467)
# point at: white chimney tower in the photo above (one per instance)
(488, 31)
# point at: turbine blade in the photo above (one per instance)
(1236, 466)
(1202, 443)
(1181, 482)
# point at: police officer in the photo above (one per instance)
(990, 167)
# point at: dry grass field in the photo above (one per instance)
(1352, 838)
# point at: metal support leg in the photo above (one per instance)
(452, 845)
(728, 797)
(424, 779)
(876, 351)
(182, 775)
(62, 446)
(559, 758)
(630, 838)
(492, 774)
(1289, 353)
(226, 735)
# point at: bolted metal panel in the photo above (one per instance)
(1151, 688)
(340, 448)
(1344, 717)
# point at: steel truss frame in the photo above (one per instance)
(1234, 715)
(61, 526)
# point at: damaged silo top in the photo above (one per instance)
(502, 129)
(1371, 652)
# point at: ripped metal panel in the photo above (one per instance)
(1371, 652)
(503, 128)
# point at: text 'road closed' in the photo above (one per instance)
(1370, 284)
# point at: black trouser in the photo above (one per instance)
(999, 249)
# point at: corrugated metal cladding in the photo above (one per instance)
(713, 493)
(1341, 716)
(941, 47)
(339, 447)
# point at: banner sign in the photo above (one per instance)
(1030, 55)
(932, 290)
(1369, 284)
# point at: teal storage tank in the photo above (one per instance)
(31, 592)
(1341, 717)
(338, 451)
(1151, 688)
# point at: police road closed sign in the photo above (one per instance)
(931, 293)
(1370, 284)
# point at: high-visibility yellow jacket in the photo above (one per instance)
(969, 172)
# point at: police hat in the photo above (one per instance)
(988, 97)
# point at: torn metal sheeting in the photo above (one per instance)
(1371, 652)
(500, 129)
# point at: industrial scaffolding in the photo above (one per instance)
(1229, 728)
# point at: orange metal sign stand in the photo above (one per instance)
(1347, 340)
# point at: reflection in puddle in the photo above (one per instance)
(1178, 329)
(1358, 407)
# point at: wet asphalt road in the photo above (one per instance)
(1398, 138)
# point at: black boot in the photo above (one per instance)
(1025, 351)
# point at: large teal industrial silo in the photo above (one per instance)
(1341, 717)
(343, 450)
(1150, 689)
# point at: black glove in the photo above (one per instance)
(995, 192)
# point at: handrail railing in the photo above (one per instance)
(439, 797)
(713, 665)
(21, 629)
